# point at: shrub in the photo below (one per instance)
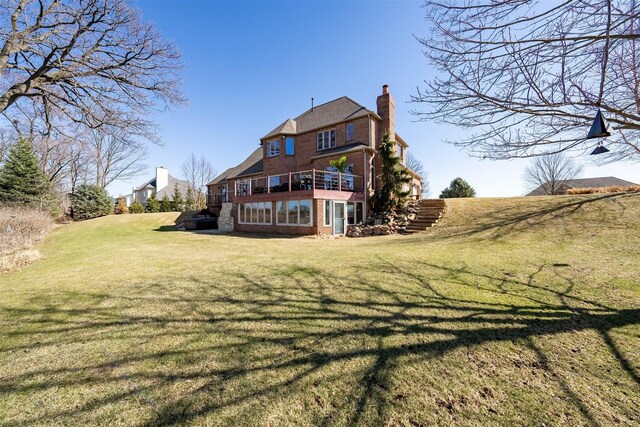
(121, 207)
(90, 201)
(136, 207)
(613, 189)
(152, 205)
(20, 228)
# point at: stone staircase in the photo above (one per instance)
(430, 211)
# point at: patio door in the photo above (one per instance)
(339, 218)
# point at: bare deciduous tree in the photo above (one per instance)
(416, 165)
(550, 172)
(527, 77)
(198, 172)
(88, 62)
(111, 155)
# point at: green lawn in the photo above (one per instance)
(521, 311)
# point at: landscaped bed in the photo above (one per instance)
(521, 311)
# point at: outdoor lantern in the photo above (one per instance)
(599, 149)
(599, 129)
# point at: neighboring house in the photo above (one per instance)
(287, 186)
(605, 181)
(161, 185)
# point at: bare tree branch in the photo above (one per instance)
(549, 173)
(87, 62)
(526, 77)
(416, 165)
(198, 172)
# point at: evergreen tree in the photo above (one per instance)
(121, 207)
(22, 181)
(152, 205)
(136, 207)
(190, 201)
(90, 201)
(458, 188)
(165, 204)
(177, 204)
(392, 178)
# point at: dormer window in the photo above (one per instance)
(273, 148)
(326, 139)
(349, 131)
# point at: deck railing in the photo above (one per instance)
(297, 181)
(218, 199)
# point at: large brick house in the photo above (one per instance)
(287, 185)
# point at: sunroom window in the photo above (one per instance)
(294, 212)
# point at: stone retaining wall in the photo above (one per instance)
(390, 223)
(225, 220)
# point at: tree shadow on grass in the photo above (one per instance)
(230, 348)
(511, 217)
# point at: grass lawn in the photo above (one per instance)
(522, 311)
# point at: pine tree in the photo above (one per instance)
(90, 201)
(177, 204)
(458, 188)
(165, 204)
(190, 201)
(392, 178)
(22, 181)
(152, 205)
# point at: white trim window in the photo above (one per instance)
(254, 213)
(294, 212)
(400, 152)
(273, 148)
(328, 213)
(326, 139)
(355, 214)
(349, 131)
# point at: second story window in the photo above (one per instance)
(289, 149)
(273, 148)
(326, 139)
(349, 131)
(400, 152)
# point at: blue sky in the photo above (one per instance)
(251, 65)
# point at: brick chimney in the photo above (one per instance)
(387, 111)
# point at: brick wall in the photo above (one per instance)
(306, 147)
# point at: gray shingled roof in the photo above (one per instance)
(251, 165)
(341, 149)
(604, 181)
(168, 190)
(324, 115)
(151, 183)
